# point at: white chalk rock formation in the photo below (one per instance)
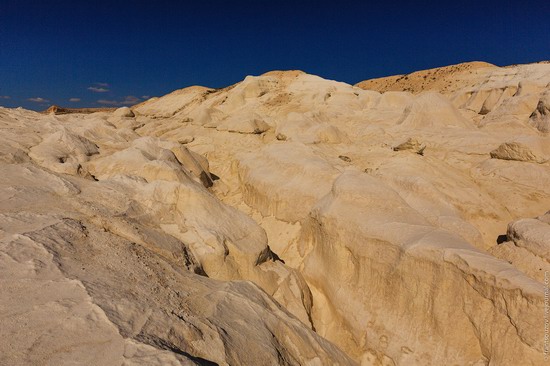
(388, 271)
(124, 112)
(286, 219)
(432, 110)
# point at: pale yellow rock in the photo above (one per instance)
(431, 110)
(531, 234)
(532, 150)
(128, 292)
(540, 118)
(442, 79)
(124, 112)
(299, 225)
(411, 145)
(253, 126)
(527, 246)
(63, 152)
(385, 239)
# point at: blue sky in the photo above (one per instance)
(112, 53)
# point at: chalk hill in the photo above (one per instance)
(286, 219)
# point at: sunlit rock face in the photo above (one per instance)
(286, 219)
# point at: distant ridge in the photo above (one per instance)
(442, 79)
(54, 109)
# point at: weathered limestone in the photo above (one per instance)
(286, 219)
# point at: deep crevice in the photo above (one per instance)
(502, 238)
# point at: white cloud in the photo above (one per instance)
(38, 100)
(99, 87)
(129, 100)
(108, 102)
(5, 97)
(74, 100)
(146, 97)
(96, 89)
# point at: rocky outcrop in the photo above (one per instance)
(410, 145)
(492, 96)
(531, 234)
(285, 219)
(387, 273)
(63, 152)
(540, 118)
(431, 110)
(525, 245)
(442, 79)
(85, 271)
(284, 180)
(527, 149)
(170, 316)
(124, 112)
(54, 109)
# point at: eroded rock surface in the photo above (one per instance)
(286, 219)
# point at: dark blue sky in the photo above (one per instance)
(58, 50)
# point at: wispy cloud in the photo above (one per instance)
(129, 100)
(74, 100)
(5, 97)
(146, 97)
(108, 102)
(38, 100)
(97, 89)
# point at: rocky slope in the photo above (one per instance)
(287, 220)
(442, 79)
